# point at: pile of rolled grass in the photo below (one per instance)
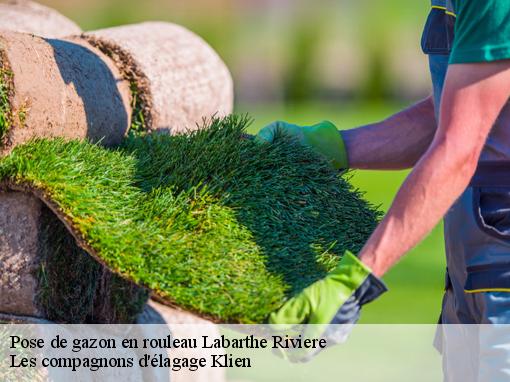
(51, 88)
(210, 222)
(144, 77)
(44, 274)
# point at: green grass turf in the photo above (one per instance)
(416, 283)
(214, 223)
(138, 125)
(5, 107)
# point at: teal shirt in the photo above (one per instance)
(482, 31)
(463, 31)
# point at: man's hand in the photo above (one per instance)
(323, 138)
(330, 307)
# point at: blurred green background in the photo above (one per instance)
(349, 61)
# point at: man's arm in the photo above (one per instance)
(395, 143)
(472, 99)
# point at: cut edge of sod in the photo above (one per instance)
(141, 100)
(6, 94)
(81, 242)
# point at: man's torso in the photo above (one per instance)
(437, 42)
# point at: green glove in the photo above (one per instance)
(323, 137)
(330, 307)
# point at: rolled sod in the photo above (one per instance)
(59, 88)
(46, 275)
(212, 223)
(177, 79)
(30, 17)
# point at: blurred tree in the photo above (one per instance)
(377, 84)
(303, 51)
(291, 50)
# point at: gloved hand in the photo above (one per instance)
(330, 307)
(323, 137)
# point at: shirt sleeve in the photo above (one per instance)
(482, 31)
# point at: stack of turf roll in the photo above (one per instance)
(54, 83)
(65, 87)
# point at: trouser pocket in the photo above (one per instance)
(492, 210)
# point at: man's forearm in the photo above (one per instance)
(473, 97)
(395, 143)
(422, 201)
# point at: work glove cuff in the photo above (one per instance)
(357, 276)
(373, 288)
(325, 138)
(365, 286)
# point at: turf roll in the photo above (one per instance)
(46, 275)
(212, 223)
(176, 77)
(63, 88)
(30, 17)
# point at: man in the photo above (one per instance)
(458, 143)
